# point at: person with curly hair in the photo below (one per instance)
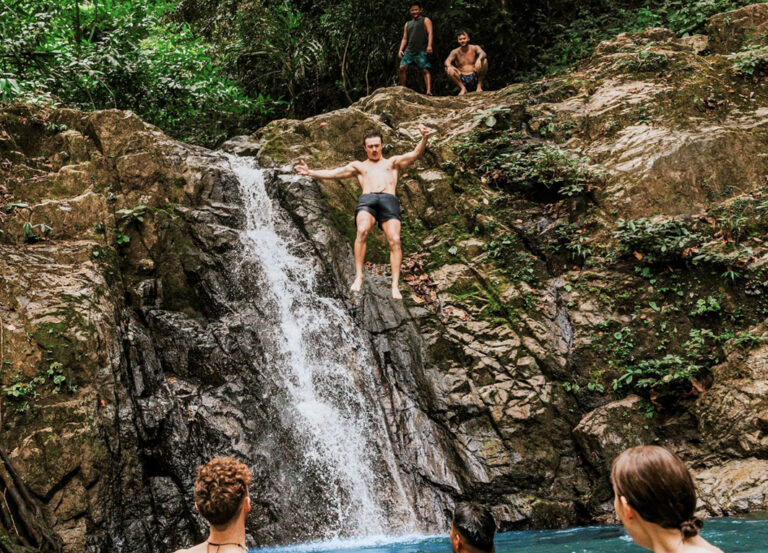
(655, 499)
(221, 496)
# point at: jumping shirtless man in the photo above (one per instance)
(467, 65)
(377, 204)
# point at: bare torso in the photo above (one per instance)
(377, 176)
(465, 60)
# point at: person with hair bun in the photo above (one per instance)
(656, 501)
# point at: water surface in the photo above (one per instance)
(743, 535)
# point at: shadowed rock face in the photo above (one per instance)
(137, 342)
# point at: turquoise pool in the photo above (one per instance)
(731, 534)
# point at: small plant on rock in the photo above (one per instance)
(656, 240)
(662, 375)
(704, 306)
(752, 62)
(34, 233)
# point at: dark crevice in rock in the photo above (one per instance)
(60, 485)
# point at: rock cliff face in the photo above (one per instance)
(584, 272)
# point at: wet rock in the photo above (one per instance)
(609, 430)
(733, 30)
(174, 358)
(737, 487)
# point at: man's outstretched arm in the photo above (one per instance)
(403, 161)
(344, 172)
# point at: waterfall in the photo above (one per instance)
(324, 365)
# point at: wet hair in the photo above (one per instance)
(475, 524)
(220, 488)
(372, 134)
(657, 484)
(412, 4)
(463, 32)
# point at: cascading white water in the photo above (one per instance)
(324, 365)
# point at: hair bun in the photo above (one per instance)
(691, 527)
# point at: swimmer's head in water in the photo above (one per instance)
(221, 489)
(472, 526)
(373, 143)
(658, 486)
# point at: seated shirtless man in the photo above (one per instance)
(377, 176)
(467, 65)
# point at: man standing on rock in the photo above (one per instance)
(377, 176)
(467, 65)
(416, 45)
(221, 496)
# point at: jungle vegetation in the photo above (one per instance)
(204, 70)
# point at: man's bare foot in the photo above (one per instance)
(462, 92)
(357, 285)
(479, 88)
(396, 293)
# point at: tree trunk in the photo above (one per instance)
(23, 520)
(76, 23)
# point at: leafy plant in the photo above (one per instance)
(130, 55)
(656, 240)
(34, 233)
(121, 239)
(665, 373)
(751, 62)
(134, 214)
(704, 306)
(544, 172)
(9, 89)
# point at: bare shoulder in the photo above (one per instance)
(199, 548)
(704, 547)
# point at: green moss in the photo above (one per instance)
(645, 61)
(275, 149)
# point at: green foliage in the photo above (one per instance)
(505, 251)
(544, 172)
(123, 54)
(593, 22)
(657, 240)
(35, 233)
(132, 215)
(661, 374)
(23, 391)
(9, 89)
(706, 305)
(204, 70)
(752, 62)
(121, 239)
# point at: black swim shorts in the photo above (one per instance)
(381, 205)
(469, 81)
